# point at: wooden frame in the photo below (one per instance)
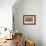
(29, 19)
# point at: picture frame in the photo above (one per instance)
(29, 19)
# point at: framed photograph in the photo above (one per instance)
(29, 19)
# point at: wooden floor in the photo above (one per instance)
(9, 43)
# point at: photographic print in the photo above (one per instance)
(29, 19)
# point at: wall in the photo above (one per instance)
(28, 7)
(43, 22)
(6, 13)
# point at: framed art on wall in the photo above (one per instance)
(29, 19)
